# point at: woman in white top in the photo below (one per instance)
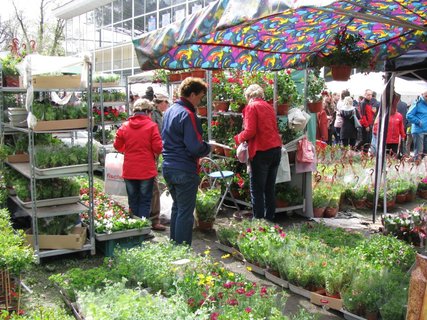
(338, 119)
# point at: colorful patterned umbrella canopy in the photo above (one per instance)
(277, 34)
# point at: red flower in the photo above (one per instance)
(232, 302)
(214, 316)
(250, 293)
(215, 80)
(263, 291)
(240, 291)
(248, 309)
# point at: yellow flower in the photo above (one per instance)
(225, 256)
(207, 252)
(249, 268)
(231, 274)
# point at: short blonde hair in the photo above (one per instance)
(142, 105)
(254, 91)
(348, 101)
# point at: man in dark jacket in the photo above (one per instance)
(183, 145)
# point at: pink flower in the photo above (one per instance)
(248, 309)
(214, 316)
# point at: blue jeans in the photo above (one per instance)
(262, 183)
(139, 196)
(183, 188)
(418, 145)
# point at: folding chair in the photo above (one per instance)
(212, 170)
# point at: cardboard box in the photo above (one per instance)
(75, 240)
(320, 298)
(18, 158)
(61, 124)
(57, 82)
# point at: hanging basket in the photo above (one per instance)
(341, 73)
(314, 107)
(282, 109)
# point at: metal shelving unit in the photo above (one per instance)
(100, 86)
(28, 169)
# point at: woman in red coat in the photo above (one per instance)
(140, 141)
(264, 145)
(396, 128)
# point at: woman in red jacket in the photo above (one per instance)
(264, 145)
(139, 139)
(396, 128)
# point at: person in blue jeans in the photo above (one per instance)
(417, 116)
(139, 139)
(183, 145)
(264, 146)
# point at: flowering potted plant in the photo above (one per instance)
(346, 55)
(315, 89)
(422, 188)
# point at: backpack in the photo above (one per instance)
(305, 152)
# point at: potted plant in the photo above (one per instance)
(346, 54)
(206, 204)
(10, 72)
(315, 88)
(287, 93)
(320, 200)
(422, 188)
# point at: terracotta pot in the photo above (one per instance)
(202, 111)
(330, 212)
(174, 77)
(204, 225)
(198, 73)
(227, 152)
(11, 81)
(422, 194)
(371, 315)
(314, 107)
(359, 203)
(221, 105)
(410, 196)
(185, 75)
(401, 198)
(282, 109)
(218, 150)
(341, 73)
(281, 203)
(318, 212)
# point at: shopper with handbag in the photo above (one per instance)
(264, 145)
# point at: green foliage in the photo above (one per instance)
(315, 86)
(206, 203)
(39, 313)
(14, 254)
(9, 65)
(347, 52)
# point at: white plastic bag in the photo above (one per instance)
(298, 119)
(242, 152)
(114, 183)
(166, 202)
(284, 170)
